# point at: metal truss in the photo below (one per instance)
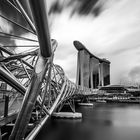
(32, 78)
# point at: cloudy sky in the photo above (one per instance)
(108, 28)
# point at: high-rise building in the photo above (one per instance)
(92, 71)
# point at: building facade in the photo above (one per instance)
(92, 72)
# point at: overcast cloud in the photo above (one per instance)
(112, 32)
(108, 28)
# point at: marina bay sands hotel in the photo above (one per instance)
(92, 72)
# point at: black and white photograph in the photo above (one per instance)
(69, 69)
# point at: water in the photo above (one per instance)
(100, 122)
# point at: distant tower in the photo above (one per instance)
(91, 70)
(104, 73)
(83, 68)
(94, 73)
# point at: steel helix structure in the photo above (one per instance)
(30, 78)
(55, 90)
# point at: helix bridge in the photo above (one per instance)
(32, 86)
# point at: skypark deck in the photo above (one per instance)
(79, 46)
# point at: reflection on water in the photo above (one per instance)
(100, 122)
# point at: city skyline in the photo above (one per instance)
(113, 33)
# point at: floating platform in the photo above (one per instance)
(68, 115)
(100, 101)
(85, 104)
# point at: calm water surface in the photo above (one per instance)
(100, 122)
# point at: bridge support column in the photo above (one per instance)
(70, 115)
(85, 101)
